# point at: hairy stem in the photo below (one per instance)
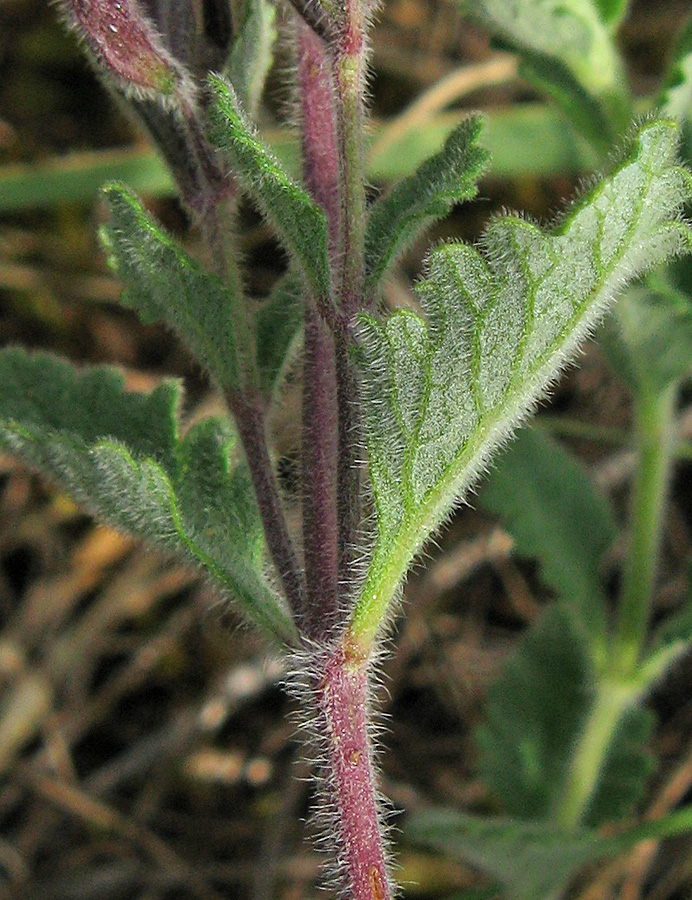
(319, 458)
(655, 444)
(320, 417)
(349, 73)
(341, 695)
(247, 410)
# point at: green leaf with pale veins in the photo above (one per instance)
(119, 454)
(439, 394)
(163, 284)
(301, 223)
(252, 53)
(428, 195)
(552, 509)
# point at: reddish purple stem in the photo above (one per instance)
(342, 702)
(320, 405)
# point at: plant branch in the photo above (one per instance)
(612, 700)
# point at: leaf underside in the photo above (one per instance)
(119, 454)
(439, 394)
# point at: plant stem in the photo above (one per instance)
(247, 410)
(617, 688)
(610, 703)
(655, 443)
(320, 417)
(348, 68)
(341, 695)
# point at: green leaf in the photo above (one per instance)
(251, 55)
(676, 95)
(533, 860)
(533, 714)
(558, 36)
(279, 329)
(612, 11)
(551, 507)
(439, 395)
(163, 284)
(654, 332)
(118, 453)
(301, 223)
(592, 116)
(537, 711)
(414, 204)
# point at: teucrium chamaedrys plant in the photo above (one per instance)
(428, 394)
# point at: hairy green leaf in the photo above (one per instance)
(440, 394)
(301, 223)
(252, 53)
(555, 513)
(163, 284)
(417, 202)
(532, 860)
(279, 328)
(118, 453)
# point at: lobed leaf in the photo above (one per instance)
(163, 284)
(551, 507)
(418, 201)
(118, 453)
(301, 223)
(439, 395)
